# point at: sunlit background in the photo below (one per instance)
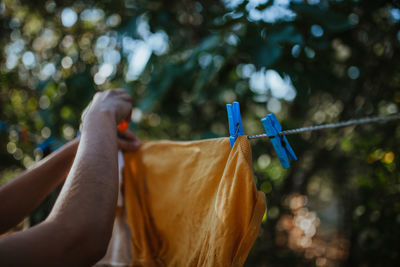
(309, 62)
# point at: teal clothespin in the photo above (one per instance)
(235, 122)
(281, 145)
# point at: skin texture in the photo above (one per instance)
(31, 187)
(78, 229)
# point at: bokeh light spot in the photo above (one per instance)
(68, 132)
(317, 31)
(263, 161)
(68, 17)
(388, 157)
(45, 132)
(296, 50)
(353, 72)
(11, 147)
(66, 62)
(28, 59)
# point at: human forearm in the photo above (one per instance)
(23, 194)
(78, 229)
(88, 198)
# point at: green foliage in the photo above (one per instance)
(309, 62)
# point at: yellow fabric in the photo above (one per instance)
(192, 203)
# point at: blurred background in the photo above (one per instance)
(309, 62)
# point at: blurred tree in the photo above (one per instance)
(310, 62)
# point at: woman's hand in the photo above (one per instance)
(116, 103)
(127, 141)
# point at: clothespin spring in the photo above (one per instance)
(237, 129)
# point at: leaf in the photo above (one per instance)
(129, 28)
(208, 43)
(265, 5)
(170, 72)
(266, 54)
(331, 20)
(158, 85)
(285, 34)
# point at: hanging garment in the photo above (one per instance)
(192, 203)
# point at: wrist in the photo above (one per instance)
(99, 120)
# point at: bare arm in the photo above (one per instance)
(79, 227)
(23, 194)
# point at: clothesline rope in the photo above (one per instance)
(333, 125)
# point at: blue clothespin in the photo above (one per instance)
(281, 145)
(235, 122)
